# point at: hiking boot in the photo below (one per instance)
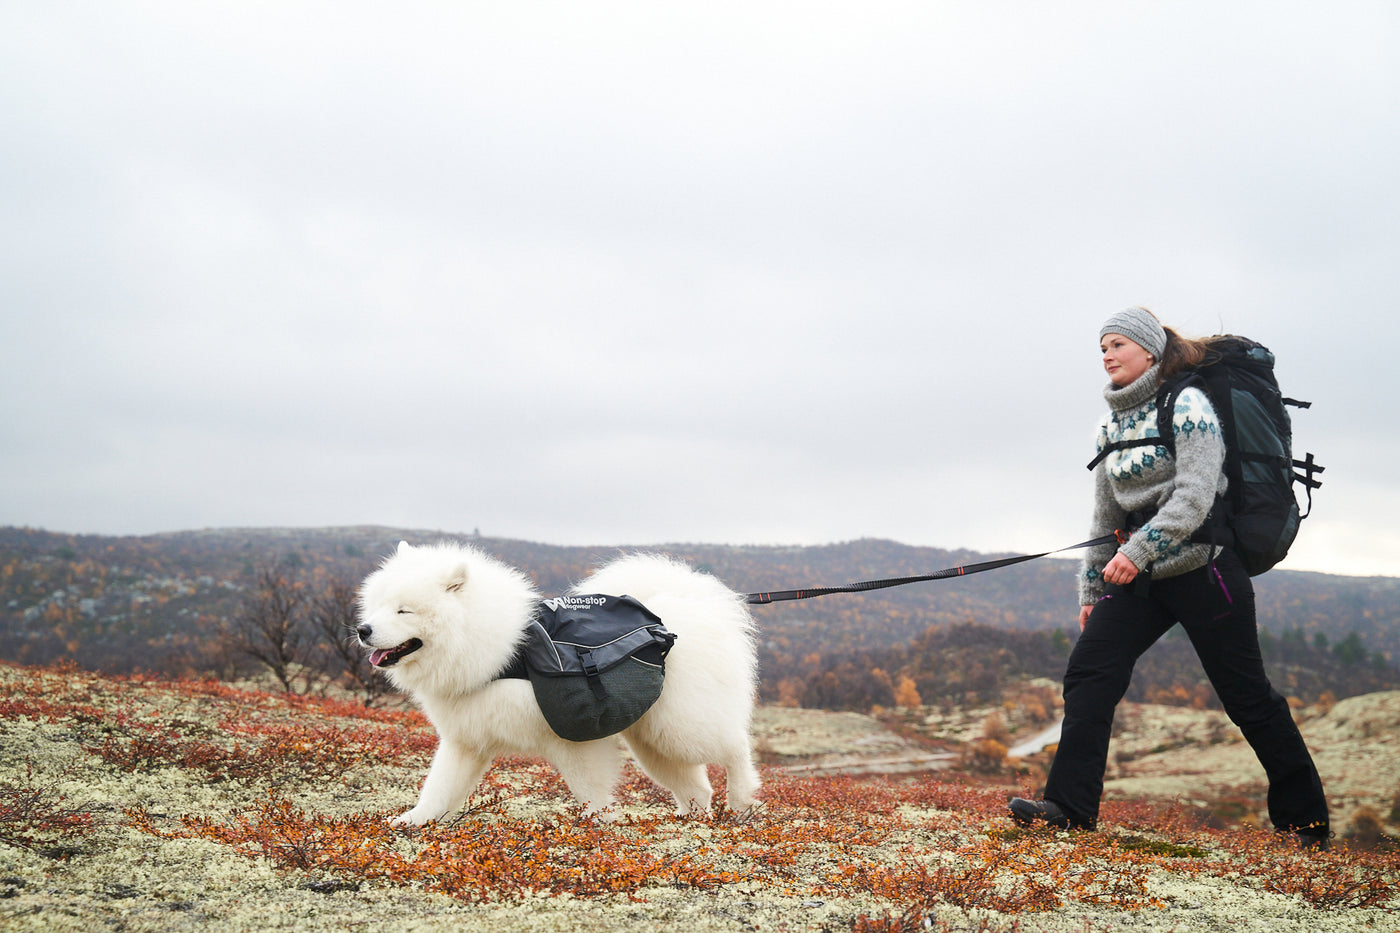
(1316, 839)
(1032, 812)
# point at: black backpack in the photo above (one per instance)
(596, 663)
(1258, 516)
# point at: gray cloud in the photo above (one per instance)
(629, 273)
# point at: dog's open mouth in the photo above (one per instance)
(388, 657)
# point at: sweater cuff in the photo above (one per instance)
(1091, 587)
(1138, 551)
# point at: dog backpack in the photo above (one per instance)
(1258, 517)
(596, 663)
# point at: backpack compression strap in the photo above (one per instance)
(1309, 468)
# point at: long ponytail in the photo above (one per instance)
(1181, 353)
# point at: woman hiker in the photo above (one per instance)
(1131, 595)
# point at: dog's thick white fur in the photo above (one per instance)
(443, 620)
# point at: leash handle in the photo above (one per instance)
(961, 571)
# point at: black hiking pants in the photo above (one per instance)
(1215, 605)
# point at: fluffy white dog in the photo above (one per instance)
(443, 621)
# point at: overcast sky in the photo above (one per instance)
(636, 273)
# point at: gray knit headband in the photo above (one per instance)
(1140, 326)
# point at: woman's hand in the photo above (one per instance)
(1120, 570)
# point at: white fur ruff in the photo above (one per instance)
(443, 620)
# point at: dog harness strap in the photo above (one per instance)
(516, 669)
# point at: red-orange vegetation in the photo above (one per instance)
(912, 842)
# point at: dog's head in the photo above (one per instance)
(400, 604)
(443, 613)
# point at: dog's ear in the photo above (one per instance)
(404, 546)
(457, 579)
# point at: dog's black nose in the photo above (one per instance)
(364, 631)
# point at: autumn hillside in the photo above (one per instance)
(145, 804)
(162, 603)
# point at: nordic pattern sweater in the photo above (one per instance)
(1179, 489)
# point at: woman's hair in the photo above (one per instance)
(1181, 353)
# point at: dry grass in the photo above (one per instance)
(148, 805)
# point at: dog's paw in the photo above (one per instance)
(411, 819)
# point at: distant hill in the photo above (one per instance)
(154, 602)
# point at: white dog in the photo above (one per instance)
(443, 621)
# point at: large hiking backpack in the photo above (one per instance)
(596, 663)
(1258, 516)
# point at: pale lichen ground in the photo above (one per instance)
(123, 879)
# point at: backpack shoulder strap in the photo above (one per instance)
(1166, 404)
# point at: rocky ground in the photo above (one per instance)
(1200, 756)
(1160, 752)
(861, 822)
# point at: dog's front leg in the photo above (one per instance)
(591, 770)
(455, 772)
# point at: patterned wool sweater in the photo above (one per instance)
(1141, 479)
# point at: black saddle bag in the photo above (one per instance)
(597, 663)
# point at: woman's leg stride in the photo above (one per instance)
(1219, 617)
(1122, 626)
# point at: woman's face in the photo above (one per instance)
(1124, 360)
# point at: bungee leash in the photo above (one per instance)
(1118, 537)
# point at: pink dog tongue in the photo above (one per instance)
(378, 655)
